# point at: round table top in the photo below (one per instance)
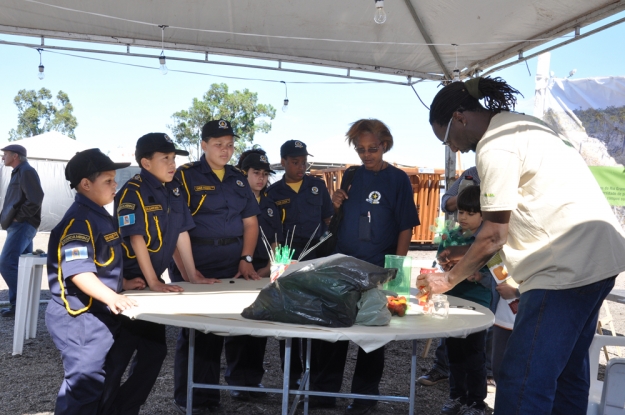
(217, 308)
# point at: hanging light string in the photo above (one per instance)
(456, 71)
(298, 37)
(285, 107)
(41, 74)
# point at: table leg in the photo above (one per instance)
(35, 296)
(287, 372)
(21, 308)
(413, 377)
(190, 372)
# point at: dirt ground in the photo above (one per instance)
(30, 382)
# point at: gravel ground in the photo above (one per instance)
(31, 381)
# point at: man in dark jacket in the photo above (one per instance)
(20, 217)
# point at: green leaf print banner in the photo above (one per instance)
(612, 182)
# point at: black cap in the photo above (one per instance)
(154, 142)
(217, 128)
(88, 162)
(256, 161)
(15, 148)
(293, 148)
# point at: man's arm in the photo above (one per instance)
(250, 237)
(488, 242)
(403, 242)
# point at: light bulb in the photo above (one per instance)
(285, 107)
(380, 16)
(456, 75)
(41, 74)
(163, 67)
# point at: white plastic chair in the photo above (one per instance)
(606, 398)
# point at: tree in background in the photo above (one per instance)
(241, 108)
(38, 114)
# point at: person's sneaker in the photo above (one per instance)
(240, 395)
(258, 395)
(432, 378)
(491, 386)
(452, 407)
(8, 312)
(471, 410)
(358, 408)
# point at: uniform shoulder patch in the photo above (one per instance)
(189, 165)
(137, 177)
(75, 237)
(124, 206)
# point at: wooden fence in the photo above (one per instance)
(426, 190)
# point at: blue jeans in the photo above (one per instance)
(19, 241)
(545, 367)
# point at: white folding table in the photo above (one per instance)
(216, 309)
(30, 268)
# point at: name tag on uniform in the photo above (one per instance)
(73, 254)
(283, 202)
(127, 220)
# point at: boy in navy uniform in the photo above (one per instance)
(153, 222)
(223, 241)
(85, 277)
(305, 205)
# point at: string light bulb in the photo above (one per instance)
(456, 71)
(285, 107)
(162, 59)
(380, 16)
(41, 74)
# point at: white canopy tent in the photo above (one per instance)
(416, 41)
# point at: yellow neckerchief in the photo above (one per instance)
(220, 173)
(295, 186)
(258, 199)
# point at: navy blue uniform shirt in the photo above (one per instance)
(306, 208)
(158, 212)
(269, 222)
(85, 240)
(218, 209)
(380, 206)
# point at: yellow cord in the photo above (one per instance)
(93, 244)
(199, 204)
(60, 277)
(184, 182)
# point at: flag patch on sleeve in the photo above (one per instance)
(127, 220)
(73, 254)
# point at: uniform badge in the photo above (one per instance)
(127, 220)
(315, 190)
(240, 183)
(299, 144)
(270, 212)
(264, 159)
(223, 124)
(374, 197)
(167, 138)
(73, 254)
(176, 192)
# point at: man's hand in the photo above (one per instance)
(118, 303)
(338, 198)
(264, 272)
(436, 283)
(198, 278)
(133, 284)
(246, 270)
(165, 288)
(451, 254)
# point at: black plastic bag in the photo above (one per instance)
(322, 291)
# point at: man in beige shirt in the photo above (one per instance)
(559, 240)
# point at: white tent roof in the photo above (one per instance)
(416, 39)
(51, 146)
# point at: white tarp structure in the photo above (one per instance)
(416, 40)
(48, 153)
(590, 114)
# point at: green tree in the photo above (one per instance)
(38, 113)
(241, 108)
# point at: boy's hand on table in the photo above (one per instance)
(133, 284)
(118, 303)
(246, 270)
(165, 288)
(198, 278)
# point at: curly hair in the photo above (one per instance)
(373, 126)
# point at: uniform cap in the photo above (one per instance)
(293, 148)
(217, 128)
(15, 148)
(156, 142)
(88, 162)
(256, 161)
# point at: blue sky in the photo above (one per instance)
(116, 104)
